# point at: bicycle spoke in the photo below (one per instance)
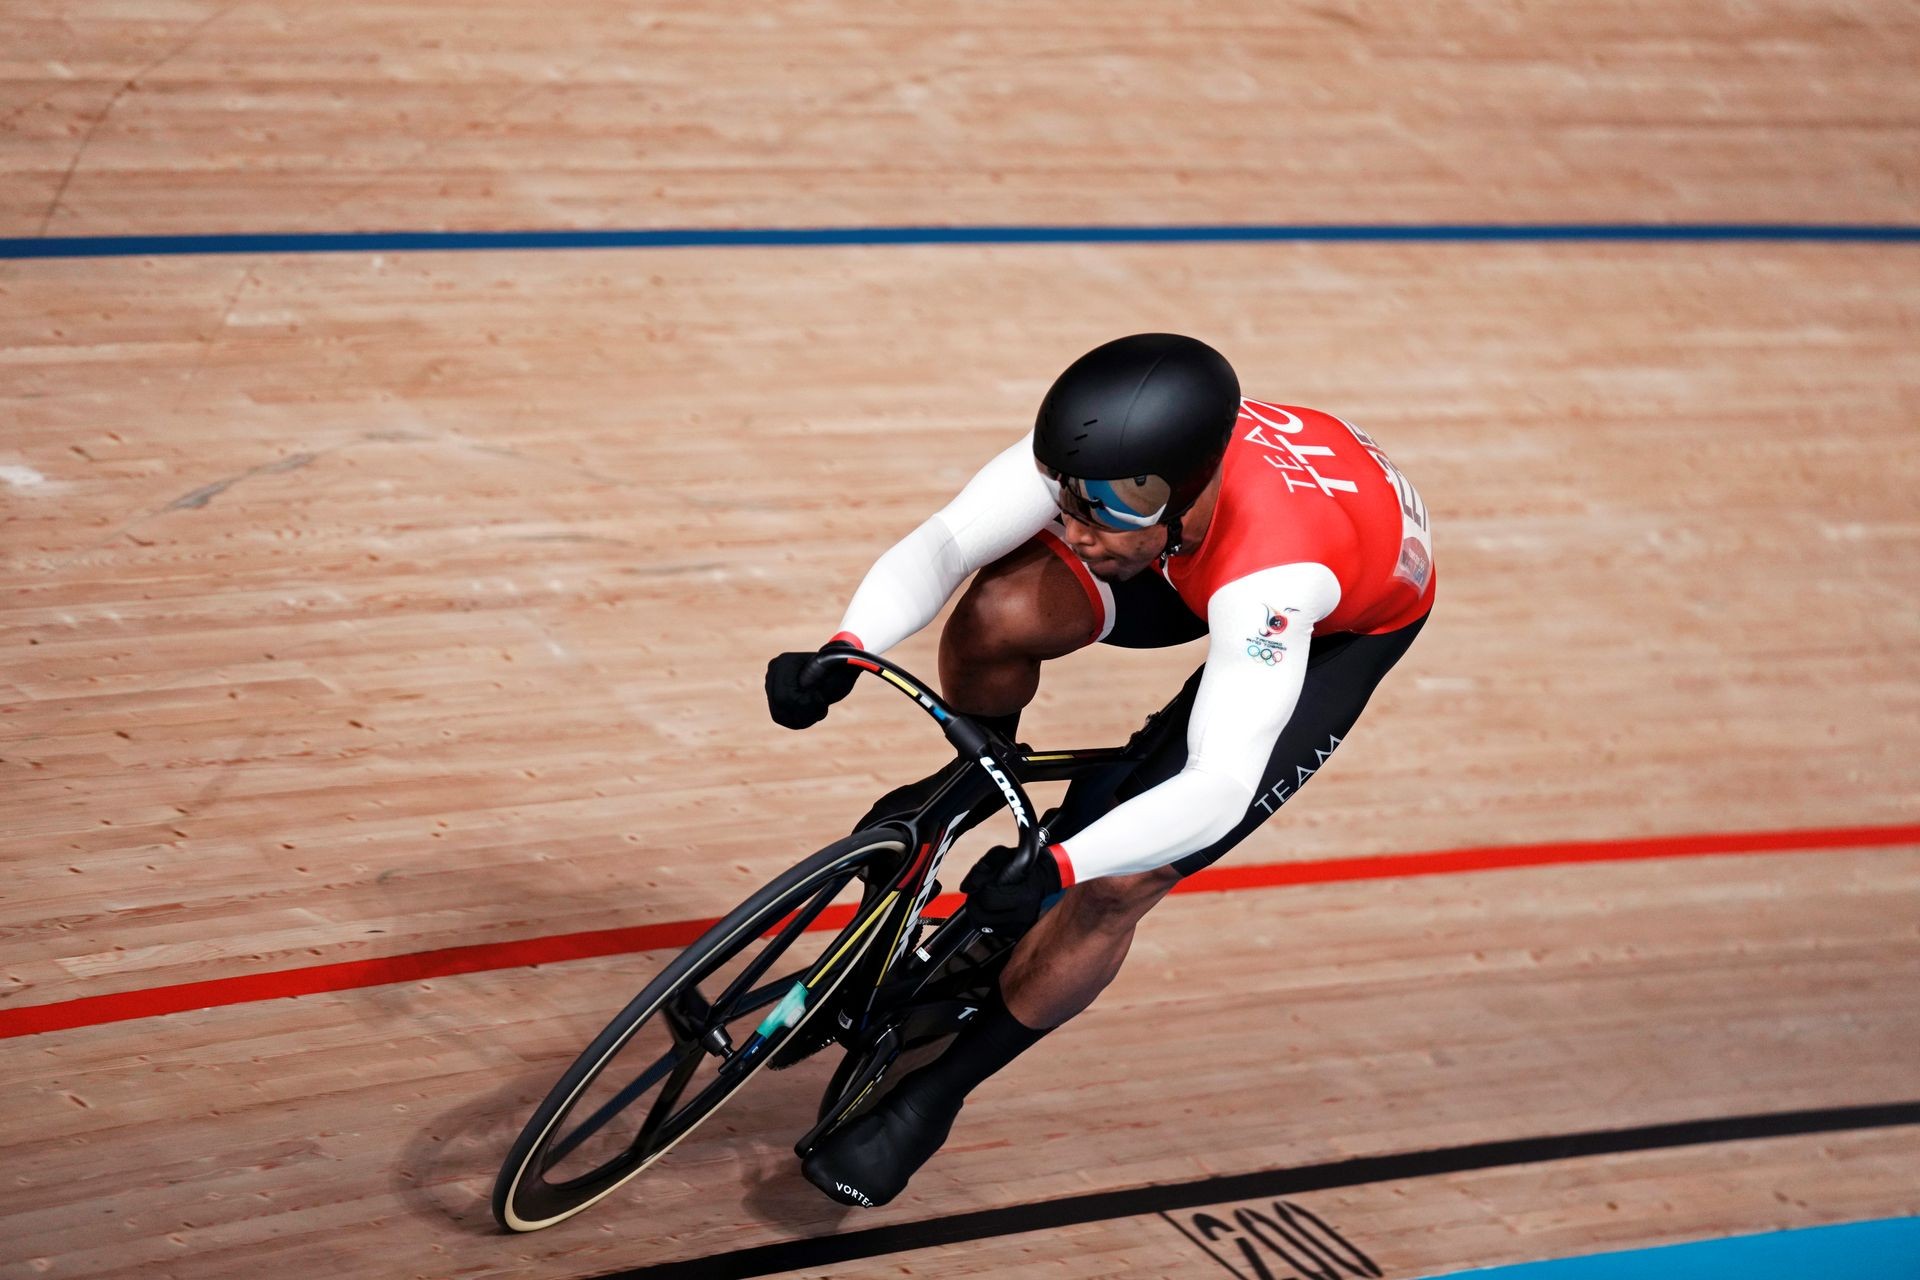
(665, 1129)
(613, 1107)
(669, 1094)
(777, 947)
(691, 1019)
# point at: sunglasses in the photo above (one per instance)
(1126, 505)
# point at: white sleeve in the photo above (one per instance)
(1002, 506)
(1243, 703)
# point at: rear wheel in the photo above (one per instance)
(694, 1035)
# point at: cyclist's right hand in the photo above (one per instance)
(800, 687)
(998, 899)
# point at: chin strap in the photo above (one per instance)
(1173, 540)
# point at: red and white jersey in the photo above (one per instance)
(1299, 486)
(1315, 531)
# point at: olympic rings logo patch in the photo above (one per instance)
(1267, 645)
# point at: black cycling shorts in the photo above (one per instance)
(1343, 669)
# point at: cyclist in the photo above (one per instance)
(1151, 505)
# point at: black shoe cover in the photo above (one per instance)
(869, 1161)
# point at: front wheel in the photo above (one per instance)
(694, 1035)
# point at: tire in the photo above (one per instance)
(673, 1014)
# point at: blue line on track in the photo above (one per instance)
(693, 238)
(1887, 1250)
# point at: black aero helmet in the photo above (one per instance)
(1131, 433)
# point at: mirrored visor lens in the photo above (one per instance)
(1136, 502)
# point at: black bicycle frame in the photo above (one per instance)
(1002, 768)
(989, 769)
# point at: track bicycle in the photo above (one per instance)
(843, 947)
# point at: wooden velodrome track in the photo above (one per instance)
(364, 605)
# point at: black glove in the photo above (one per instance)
(1004, 903)
(800, 687)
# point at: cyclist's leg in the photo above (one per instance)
(870, 1161)
(1075, 950)
(1039, 602)
(1018, 612)
(1023, 609)
(1064, 963)
(1336, 691)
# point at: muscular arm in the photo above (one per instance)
(1242, 705)
(1001, 507)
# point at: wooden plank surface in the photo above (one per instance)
(199, 116)
(337, 622)
(369, 606)
(362, 605)
(1248, 1032)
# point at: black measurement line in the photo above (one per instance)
(1165, 1198)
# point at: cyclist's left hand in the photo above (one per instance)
(1001, 901)
(800, 687)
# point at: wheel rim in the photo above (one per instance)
(683, 1055)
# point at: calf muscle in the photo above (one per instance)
(1067, 959)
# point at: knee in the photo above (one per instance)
(1024, 605)
(992, 617)
(1118, 902)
